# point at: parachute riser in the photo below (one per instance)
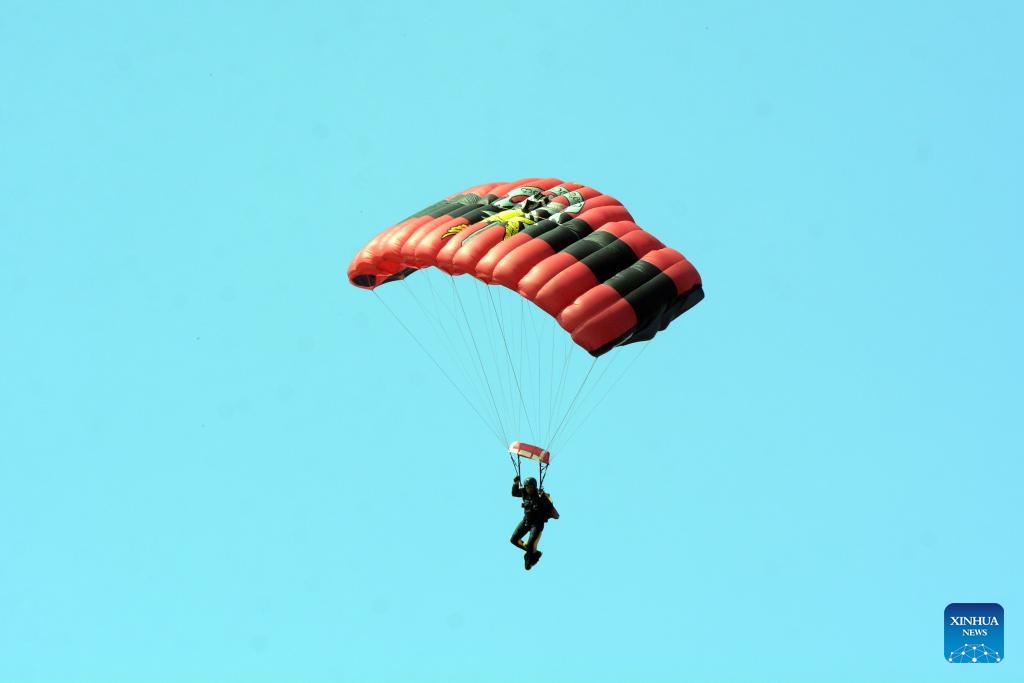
(542, 470)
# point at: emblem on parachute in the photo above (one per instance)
(524, 206)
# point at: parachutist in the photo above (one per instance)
(566, 251)
(537, 510)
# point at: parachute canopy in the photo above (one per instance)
(572, 251)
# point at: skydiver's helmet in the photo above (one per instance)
(530, 481)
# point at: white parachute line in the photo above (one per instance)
(586, 394)
(569, 410)
(533, 342)
(516, 339)
(503, 295)
(501, 314)
(436, 319)
(560, 343)
(607, 393)
(474, 356)
(555, 389)
(553, 408)
(522, 341)
(476, 347)
(491, 354)
(449, 311)
(438, 365)
(539, 323)
(497, 357)
(543, 378)
(506, 325)
(469, 389)
(465, 360)
(474, 382)
(584, 387)
(481, 357)
(562, 382)
(511, 365)
(607, 365)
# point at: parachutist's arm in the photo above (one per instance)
(516, 490)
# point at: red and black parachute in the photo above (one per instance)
(574, 252)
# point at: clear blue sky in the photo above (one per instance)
(220, 462)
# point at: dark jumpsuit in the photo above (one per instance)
(535, 514)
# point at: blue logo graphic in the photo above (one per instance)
(974, 633)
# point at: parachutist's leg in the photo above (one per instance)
(517, 535)
(535, 532)
(532, 554)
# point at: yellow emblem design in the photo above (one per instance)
(513, 220)
(454, 230)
